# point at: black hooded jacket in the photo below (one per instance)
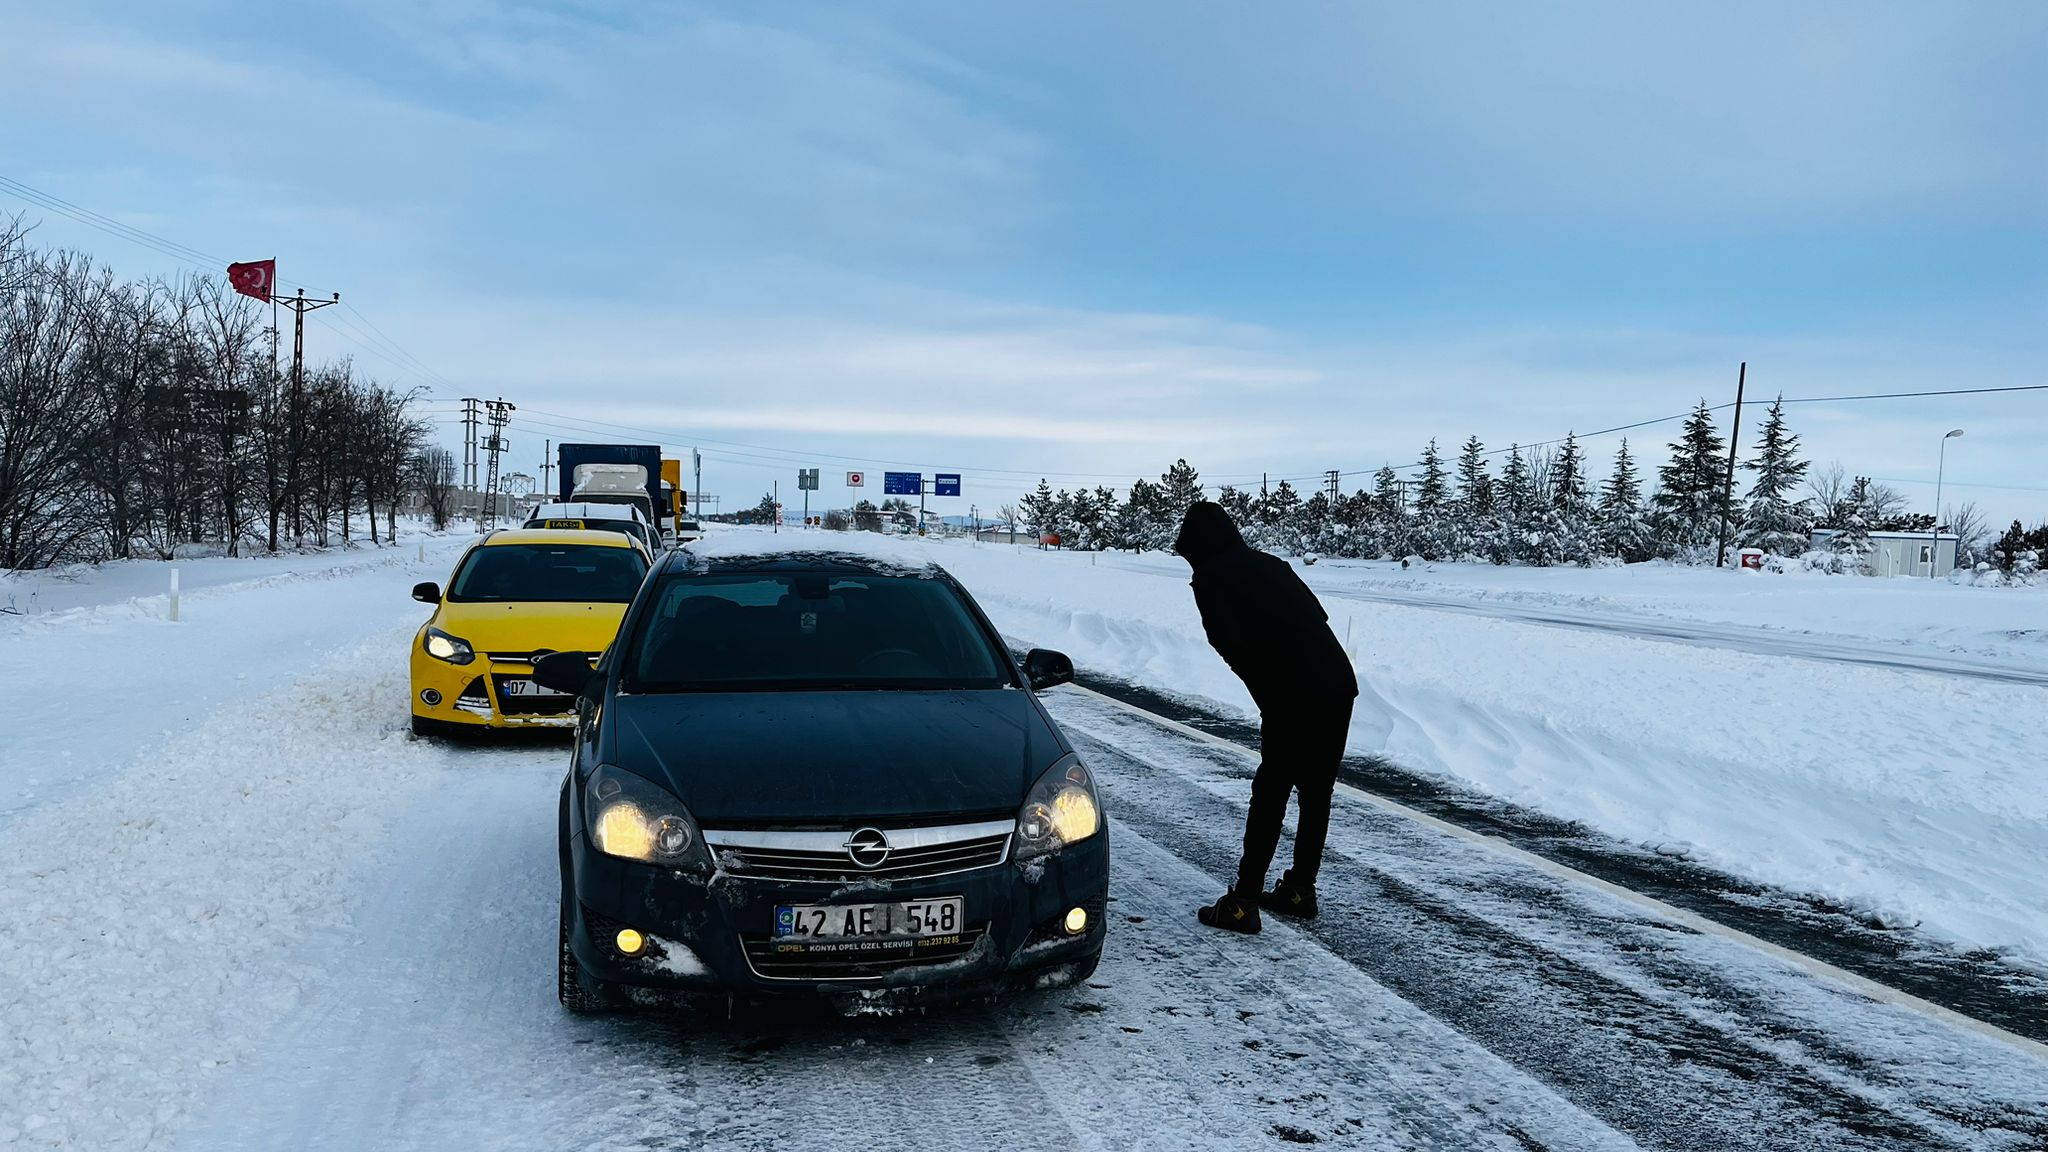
(1260, 617)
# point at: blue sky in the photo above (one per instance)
(1084, 239)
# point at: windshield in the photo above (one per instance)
(555, 573)
(810, 630)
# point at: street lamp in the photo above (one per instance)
(1934, 555)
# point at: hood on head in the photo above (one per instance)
(1206, 532)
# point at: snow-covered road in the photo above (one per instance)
(284, 923)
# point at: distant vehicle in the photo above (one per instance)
(677, 505)
(595, 517)
(613, 474)
(820, 774)
(515, 594)
(688, 530)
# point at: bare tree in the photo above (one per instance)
(434, 478)
(1973, 533)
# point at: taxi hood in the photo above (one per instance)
(519, 626)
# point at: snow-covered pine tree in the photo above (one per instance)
(1137, 522)
(1039, 511)
(1624, 533)
(1084, 516)
(1429, 529)
(1507, 541)
(1775, 522)
(1690, 501)
(1577, 535)
(1389, 536)
(1277, 510)
(1851, 541)
(1237, 502)
(1179, 486)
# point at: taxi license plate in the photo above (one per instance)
(910, 920)
(525, 688)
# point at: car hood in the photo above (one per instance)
(737, 758)
(524, 627)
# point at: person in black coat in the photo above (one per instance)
(1274, 634)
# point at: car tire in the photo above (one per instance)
(579, 991)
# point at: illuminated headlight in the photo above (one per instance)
(635, 819)
(454, 649)
(1060, 810)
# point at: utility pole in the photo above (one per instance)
(500, 415)
(1728, 481)
(1333, 483)
(776, 495)
(697, 484)
(296, 435)
(471, 418)
(547, 469)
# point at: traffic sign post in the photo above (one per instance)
(807, 483)
(856, 479)
(902, 483)
(946, 484)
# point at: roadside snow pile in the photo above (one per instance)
(153, 926)
(1912, 796)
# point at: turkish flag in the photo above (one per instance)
(254, 278)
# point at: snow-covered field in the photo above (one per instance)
(1916, 796)
(241, 908)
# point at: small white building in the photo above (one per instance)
(1904, 553)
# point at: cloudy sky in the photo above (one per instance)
(1081, 239)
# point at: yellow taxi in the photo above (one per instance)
(517, 594)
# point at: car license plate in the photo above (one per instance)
(525, 688)
(910, 920)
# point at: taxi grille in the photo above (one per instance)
(834, 866)
(774, 959)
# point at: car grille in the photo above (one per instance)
(825, 861)
(766, 957)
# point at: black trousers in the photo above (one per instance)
(1300, 748)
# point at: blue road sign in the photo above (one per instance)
(902, 483)
(946, 484)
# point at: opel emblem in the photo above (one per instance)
(867, 848)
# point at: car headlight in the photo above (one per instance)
(443, 646)
(633, 818)
(1060, 810)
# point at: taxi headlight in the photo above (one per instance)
(1061, 810)
(633, 818)
(444, 646)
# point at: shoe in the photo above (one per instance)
(1232, 913)
(1290, 899)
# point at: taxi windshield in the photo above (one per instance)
(549, 573)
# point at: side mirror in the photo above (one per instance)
(566, 672)
(427, 592)
(1045, 668)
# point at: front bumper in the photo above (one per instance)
(714, 934)
(471, 694)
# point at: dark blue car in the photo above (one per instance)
(808, 772)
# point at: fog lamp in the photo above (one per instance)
(1077, 921)
(630, 942)
(430, 697)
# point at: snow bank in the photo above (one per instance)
(1914, 797)
(154, 926)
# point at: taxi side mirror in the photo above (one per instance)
(427, 592)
